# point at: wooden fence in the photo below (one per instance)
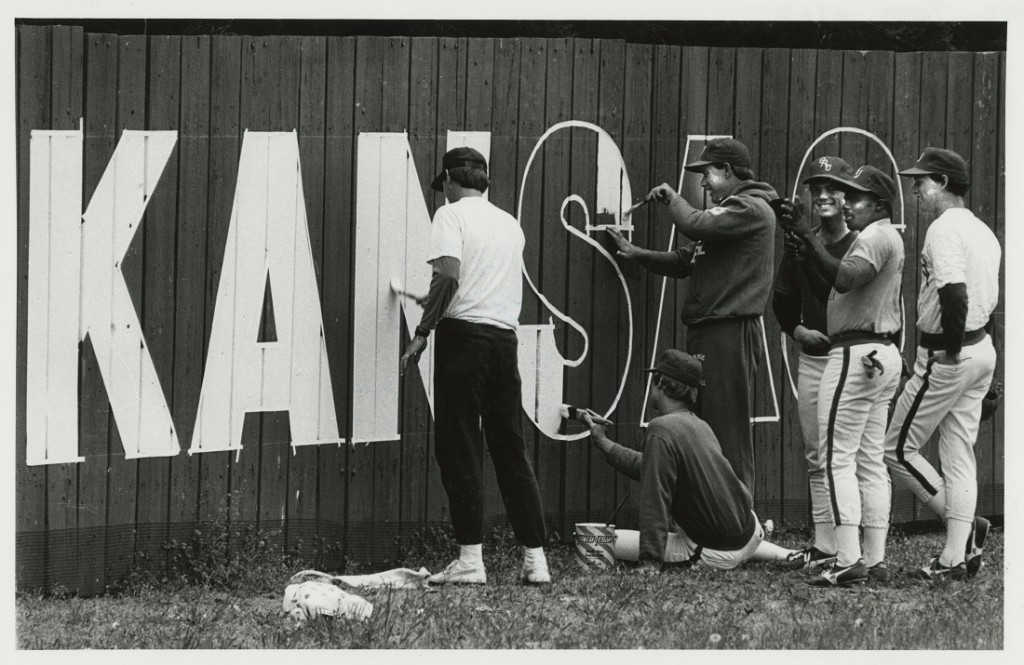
(82, 524)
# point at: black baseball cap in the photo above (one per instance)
(455, 158)
(869, 179)
(829, 167)
(679, 366)
(939, 161)
(719, 151)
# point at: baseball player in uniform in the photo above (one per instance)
(684, 480)
(799, 301)
(862, 372)
(959, 289)
(476, 250)
(730, 258)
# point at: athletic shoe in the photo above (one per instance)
(458, 572)
(536, 572)
(811, 558)
(844, 576)
(936, 571)
(878, 572)
(972, 556)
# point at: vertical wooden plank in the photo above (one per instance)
(190, 273)
(828, 104)
(606, 489)
(254, 109)
(278, 67)
(985, 186)
(67, 88)
(94, 408)
(339, 182)
(162, 77)
(369, 76)
(635, 143)
(303, 467)
(533, 59)
(553, 277)
(751, 92)
(417, 425)
(881, 68)
(722, 92)
(216, 503)
(580, 261)
(800, 93)
(32, 511)
(853, 111)
(388, 473)
(907, 86)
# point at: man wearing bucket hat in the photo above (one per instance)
(730, 263)
(862, 372)
(476, 250)
(799, 301)
(685, 479)
(959, 289)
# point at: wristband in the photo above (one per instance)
(422, 332)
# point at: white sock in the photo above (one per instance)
(472, 554)
(534, 555)
(825, 537)
(874, 544)
(957, 533)
(847, 544)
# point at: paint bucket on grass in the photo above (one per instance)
(595, 545)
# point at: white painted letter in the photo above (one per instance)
(268, 243)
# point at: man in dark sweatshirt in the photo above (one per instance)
(729, 257)
(684, 481)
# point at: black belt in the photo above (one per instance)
(937, 341)
(851, 337)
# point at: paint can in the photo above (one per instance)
(595, 545)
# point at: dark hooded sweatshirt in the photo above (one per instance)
(731, 260)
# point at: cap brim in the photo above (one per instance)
(913, 170)
(438, 183)
(822, 176)
(848, 184)
(696, 167)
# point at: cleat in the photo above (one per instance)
(844, 576)
(975, 544)
(810, 558)
(458, 572)
(936, 571)
(878, 572)
(536, 572)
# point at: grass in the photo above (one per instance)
(755, 607)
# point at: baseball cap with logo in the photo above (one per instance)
(719, 151)
(939, 161)
(455, 158)
(829, 168)
(869, 179)
(679, 366)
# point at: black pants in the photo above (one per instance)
(730, 351)
(476, 379)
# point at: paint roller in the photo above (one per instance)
(399, 290)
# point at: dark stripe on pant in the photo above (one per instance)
(905, 431)
(831, 431)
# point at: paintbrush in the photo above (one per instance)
(636, 206)
(399, 290)
(570, 412)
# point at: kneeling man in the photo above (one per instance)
(693, 507)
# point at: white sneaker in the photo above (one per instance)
(458, 572)
(536, 572)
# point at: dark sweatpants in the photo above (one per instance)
(476, 379)
(730, 350)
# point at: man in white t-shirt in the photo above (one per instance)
(959, 289)
(476, 250)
